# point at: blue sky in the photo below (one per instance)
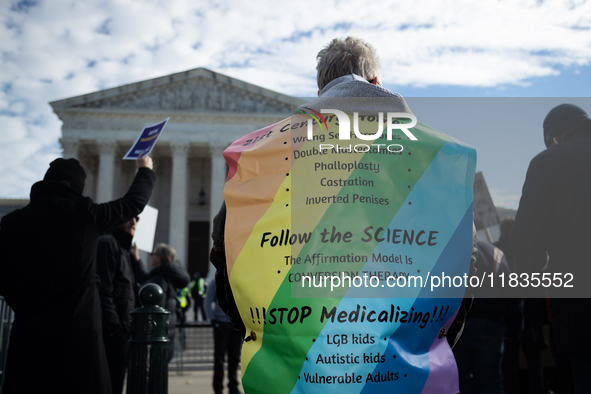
(50, 50)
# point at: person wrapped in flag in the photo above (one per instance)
(336, 222)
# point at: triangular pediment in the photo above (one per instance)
(193, 90)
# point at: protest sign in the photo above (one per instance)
(145, 141)
(485, 212)
(146, 229)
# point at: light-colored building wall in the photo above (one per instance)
(207, 111)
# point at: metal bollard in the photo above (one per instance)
(148, 353)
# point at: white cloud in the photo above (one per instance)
(63, 48)
(13, 129)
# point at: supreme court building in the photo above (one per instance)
(207, 110)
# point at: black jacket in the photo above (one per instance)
(535, 314)
(120, 273)
(48, 277)
(170, 277)
(494, 303)
(553, 218)
(217, 257)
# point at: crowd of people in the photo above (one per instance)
(547, 235)
(68, 259)
(87, 281)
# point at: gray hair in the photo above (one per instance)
(344, 56)
(165, 252)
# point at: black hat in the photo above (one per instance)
(68, 170)
(563, 118)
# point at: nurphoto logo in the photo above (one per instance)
(345, 124)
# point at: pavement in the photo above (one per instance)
(193, 382)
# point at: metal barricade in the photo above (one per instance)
(6, 318)
(193, 347)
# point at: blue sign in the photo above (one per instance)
(146, 140)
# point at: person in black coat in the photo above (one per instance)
(120, 271)
(170, 275)
(532, 339)
(551, 232)
(491, 322)
(48, 277)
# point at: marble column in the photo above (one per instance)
(104, 188)
(70, 148)
(90, 165)
(218, 177)
(178, 200)
(216, 193)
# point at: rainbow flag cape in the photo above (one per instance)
(334, 248)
